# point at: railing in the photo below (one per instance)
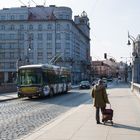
(135, 88)
(7, 87)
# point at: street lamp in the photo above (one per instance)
(134, 53)
(134, 60)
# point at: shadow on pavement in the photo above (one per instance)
(70, 99)
(117, 125)
(118, 85)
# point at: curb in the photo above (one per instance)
(13, 98)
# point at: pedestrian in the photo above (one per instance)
(100, 99)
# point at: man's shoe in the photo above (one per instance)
(98, 122)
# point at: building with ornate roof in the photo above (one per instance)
(32, 35)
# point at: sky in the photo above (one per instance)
(110, 21)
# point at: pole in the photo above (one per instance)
(133, 55)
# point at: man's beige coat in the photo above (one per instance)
(100, 96)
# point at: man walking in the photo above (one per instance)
(100, 99)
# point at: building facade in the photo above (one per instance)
(32, 35)
(136, 60)
(105, 68)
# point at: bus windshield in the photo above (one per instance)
(29, 77)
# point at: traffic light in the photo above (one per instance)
(105, 55)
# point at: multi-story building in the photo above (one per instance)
(44, 35)
(105, 68)
(136, 60)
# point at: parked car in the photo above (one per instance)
(84, 85)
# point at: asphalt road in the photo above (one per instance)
(20, 117)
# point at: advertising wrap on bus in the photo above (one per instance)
(42, 80)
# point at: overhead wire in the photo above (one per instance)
(34, 2)
(22, 2)
(29, 6)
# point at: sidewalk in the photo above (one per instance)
(8, 96)
(80, 124)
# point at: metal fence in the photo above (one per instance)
(135, 88)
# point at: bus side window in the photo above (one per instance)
(45, 78)
(63, 79)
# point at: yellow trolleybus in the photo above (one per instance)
(42, 80)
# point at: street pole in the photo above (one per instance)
(134, 58)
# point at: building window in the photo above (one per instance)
(49, 45)
(30, 27)
(40, 45)
(68, 27)
(12, 17)
(1, 46)
(21, 17)
(49, 36)
(49, 55)
(2, 65)
(58, 36)
(2, 55)
(40, 55)
(49, 27)
(67, 36)
(31, 36)
(67, 50)
(49, 49)
(31, 46)
(12, 36)
(12, 65)
(12, 45)
(21, 45)
(67, 16)
(21, 27)
(58, 27)
(2, 17)
(11, 55)
(67, 54)
(40, 36)
(61, 16)
(21, 36)
(67, 45)
(2, 27)
(58, 45)
(12, 27)
(40, 27)
(7, 65)
(2, 36)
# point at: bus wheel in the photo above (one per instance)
(51, 93)
(30, 97)
(19, 95)
(66, 90)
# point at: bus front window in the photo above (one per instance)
(31, 77)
